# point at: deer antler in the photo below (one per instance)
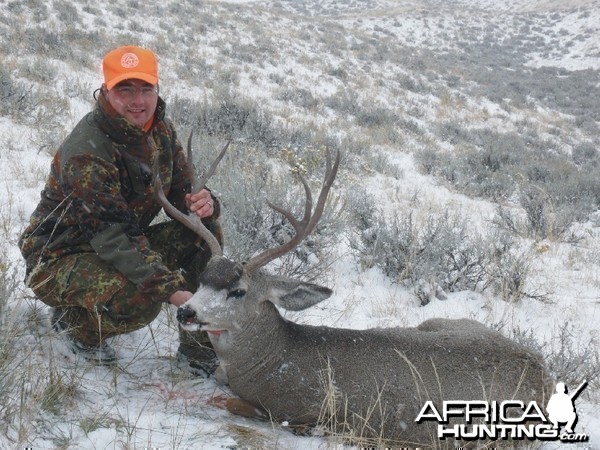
(192, 221)
(303, 227)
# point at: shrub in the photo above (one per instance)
(16, 99)
(568, 358)
(554, 189)
(300, 97)
(586, 155)
(375, 116)
(439, 251)
(344, 101)
(66, 11)
(510, 276)
(232, 116)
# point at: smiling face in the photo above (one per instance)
(135, 100)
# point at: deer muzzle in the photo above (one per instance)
(187, 316)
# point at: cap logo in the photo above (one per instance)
(129, 60)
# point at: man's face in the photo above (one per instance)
(135, 100)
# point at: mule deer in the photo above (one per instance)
(368, 384)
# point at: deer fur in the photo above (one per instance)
(309, 375)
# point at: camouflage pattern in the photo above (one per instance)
(90, 248)
(99, 302)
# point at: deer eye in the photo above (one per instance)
(236, 293)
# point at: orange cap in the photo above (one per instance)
(129, 62)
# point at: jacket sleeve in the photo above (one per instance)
(105, 219)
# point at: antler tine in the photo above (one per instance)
(302, 227)
(330, 174)
(201, 182)
(307, 208)
(299, 227)
(188, 158)
(192, 221)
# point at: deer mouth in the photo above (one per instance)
(189, 321)
(216, 333)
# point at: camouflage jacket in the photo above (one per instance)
(99, 196)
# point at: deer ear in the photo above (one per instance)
(297, 295)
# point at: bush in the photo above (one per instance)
(16, 99)
(300, 97)
(586, 155)
(554, 189)
(229, 115)
(568, 358)
(438, 251)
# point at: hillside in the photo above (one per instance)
(470, 131)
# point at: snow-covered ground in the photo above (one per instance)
(323, 48)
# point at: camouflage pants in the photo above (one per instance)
(97, 301)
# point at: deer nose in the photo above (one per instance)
(186, 315)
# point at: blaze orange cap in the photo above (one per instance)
(125, 63)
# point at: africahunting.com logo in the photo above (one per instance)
(510, 419)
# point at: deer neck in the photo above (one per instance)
(267, 332)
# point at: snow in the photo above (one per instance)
(149, 402)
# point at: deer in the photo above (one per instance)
(367, 385)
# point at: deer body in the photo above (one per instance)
(306, 374)
(368, 384)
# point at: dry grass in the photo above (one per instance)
(344, 427)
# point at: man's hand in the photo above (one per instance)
(200, 203)
(178, 298)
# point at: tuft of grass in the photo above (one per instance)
(248, 437)
(28, 393)
(341, 425)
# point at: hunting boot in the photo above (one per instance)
(98, 353)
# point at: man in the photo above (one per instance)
(90, 250)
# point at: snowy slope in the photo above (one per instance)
(269, 50)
